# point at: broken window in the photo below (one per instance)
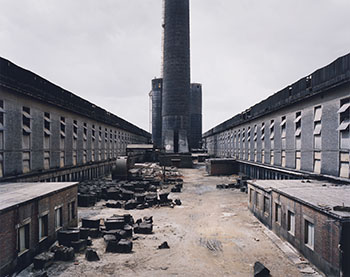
(58, 218)
(291, 223)
(317, 161)
(93, 132)
(317, 127)
(23, 238)
(344, 124)
(43, 226)
(309, 234)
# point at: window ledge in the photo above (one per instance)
(22, 252)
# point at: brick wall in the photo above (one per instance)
(9, 259)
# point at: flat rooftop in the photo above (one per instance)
(321, 195)
(13, 194)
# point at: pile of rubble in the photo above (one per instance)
(145, 188)
(239, 183)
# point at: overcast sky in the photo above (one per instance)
(107, 51)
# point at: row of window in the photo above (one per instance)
(115, 141)
(24, 230)
(238, 143)
(308, 225)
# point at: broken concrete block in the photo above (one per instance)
(84, 233)
(109, 237)
(143, 228)
(79, 245)
(113, 224)
(114, 204)
(90, 223)
(176, 189)
(94, 232)
(43, 260)
(91, 255)
(164, 245)
(128, 230)
(111, 246)
(178, 202)
(130, 205)
(124, 246)
(63, 253)
(260, 270)
(163, 197)
(66, 237)
(148, 219)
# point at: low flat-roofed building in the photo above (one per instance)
(30, 216)
(314, 216)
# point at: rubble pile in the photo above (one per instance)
(118, 232)
(239, 183)
(148, 186)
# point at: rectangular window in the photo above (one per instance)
(75, 134)
(298, 160)
(23, 238)
(75, 158)
(43, 226)
(58, 218)
(84, 156)
(344, 124)
(251, 191)
(309, 234)
(344, 168)
(92, 155)
(85, 131)
(297, 134)
(278, 213)
(26, 128)
(1, 164)
(283, 131)
(272, 129)
(71, 210)
(257, 196)
(62, 159)
(262, 156)
(62, 132)
(317, 127)
(266, 205)
(47, 130)
(25, 161)
(93, 132)
(46, 159)
(283, 158)
(272, 157)
(291, 223)
(317, 162)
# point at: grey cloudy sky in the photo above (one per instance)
(107, 51)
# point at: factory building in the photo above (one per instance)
(311, 215)
(195, 137)
(49, 134)
(30, 216)
(300, 132)
(303, 128)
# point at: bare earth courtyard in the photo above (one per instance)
(211, 234)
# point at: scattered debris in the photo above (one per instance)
(63, 253)
(260, 270)
(91, 255)
(43, 260)
(164, 245)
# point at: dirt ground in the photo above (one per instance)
(211, 234)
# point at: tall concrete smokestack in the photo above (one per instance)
(176, 76)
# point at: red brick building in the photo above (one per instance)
(30, 216)
(313, 216)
